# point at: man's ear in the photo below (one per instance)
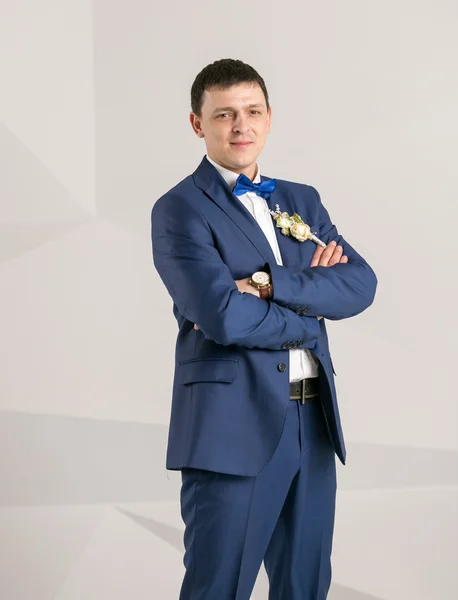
(196, 125)
(269, 116)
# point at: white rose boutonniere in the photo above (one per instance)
(294, 226)
(300, 231)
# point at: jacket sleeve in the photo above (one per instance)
(337, 292)
(204, 291)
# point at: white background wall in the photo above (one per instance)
(95, 102)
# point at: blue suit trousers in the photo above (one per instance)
(284, 515)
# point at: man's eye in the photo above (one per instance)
(257, 112)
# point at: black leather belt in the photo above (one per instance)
(304, 390)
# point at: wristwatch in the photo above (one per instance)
(261, 281)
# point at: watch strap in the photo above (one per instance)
(265, 293)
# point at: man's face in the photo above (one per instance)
(230, 117)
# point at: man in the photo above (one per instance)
(254, 424)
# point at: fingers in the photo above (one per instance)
(336, 256)
(316, 257)
(196, 327)
(323, 255)
(329, 256)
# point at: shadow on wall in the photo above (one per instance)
(174, 537)
(63, 460)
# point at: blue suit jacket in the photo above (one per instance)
(230, 394)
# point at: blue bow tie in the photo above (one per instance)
(244, 184)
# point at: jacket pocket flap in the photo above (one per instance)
(221, 370)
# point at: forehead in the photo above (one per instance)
(236, 96)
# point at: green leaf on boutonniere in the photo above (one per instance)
(297, 218)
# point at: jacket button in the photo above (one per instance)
(281, 367)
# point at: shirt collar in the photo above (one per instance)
(229, 176)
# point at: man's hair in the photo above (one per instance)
(223, 74)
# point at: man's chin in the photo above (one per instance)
(244, 157)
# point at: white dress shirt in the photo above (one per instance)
(302, 362)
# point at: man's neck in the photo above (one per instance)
(249, 172)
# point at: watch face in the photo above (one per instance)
(261, 278)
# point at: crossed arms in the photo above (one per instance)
(340, 292)
(202, 287)
(328, 257)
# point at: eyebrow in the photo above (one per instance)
(231, 108)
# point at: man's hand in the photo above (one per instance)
(329, 256)
(244, 286)
(323, 257)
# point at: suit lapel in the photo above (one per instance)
(208, 179)
(213, 185)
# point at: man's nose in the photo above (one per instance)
(241, 123)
